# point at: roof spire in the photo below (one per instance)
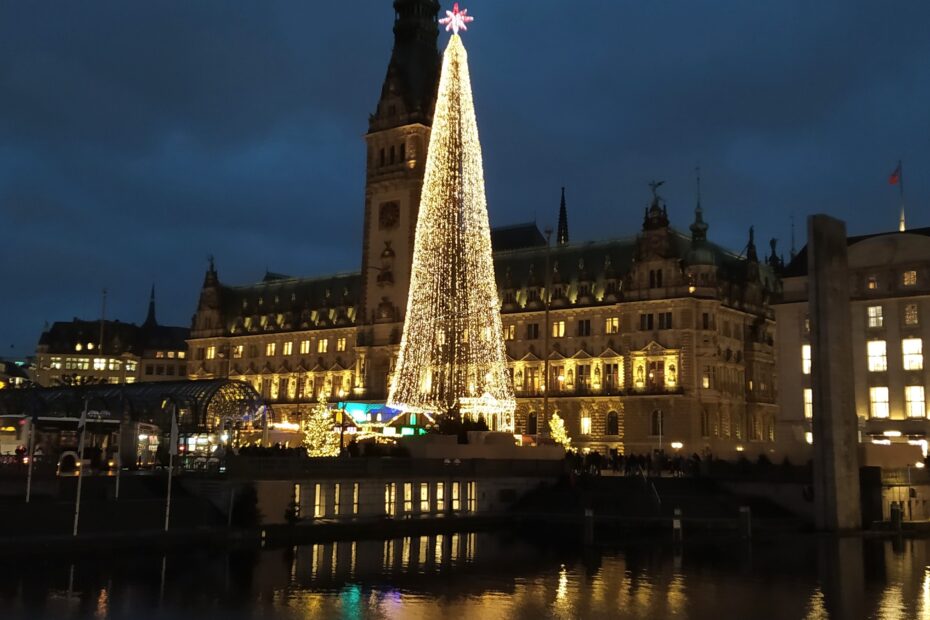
(699, 227)
(150, 317)
(751, 246)
(561, 237)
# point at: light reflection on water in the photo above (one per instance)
(485, 576)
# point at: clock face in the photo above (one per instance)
(388, 215)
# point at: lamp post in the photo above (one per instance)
(545, 416)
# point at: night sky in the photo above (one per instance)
(137, 138)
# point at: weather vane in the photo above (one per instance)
(456, 20)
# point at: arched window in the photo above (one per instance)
(613, 423)
(531, 424)
(657, 422)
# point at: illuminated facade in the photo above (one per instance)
(653, 340)
(80, 352)
(889, 290)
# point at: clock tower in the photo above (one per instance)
(397, 141)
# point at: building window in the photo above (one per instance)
(613, 423)
(584, 327)
(340, 344)
(705, 380)
(456, 499)
(211, 352)
(237, 351)
(288, 348)
(665, 320)
(705, 320)
(558, 329)
(390, 498)
(181, 355)
(149, 369)
(100, 363)
(471, 495)
(355, 498)
(424, 497)
(878, 402)
(304, 347)
(612, 325)
(872, 283)
(440, 496)
(319, 501)
(270, 349)
(408, 497)
(130, 366)
(878, 359)
(875, 316)
(323, 345)
(913, 351)
(646, 322)
(336, 489)
(914, 396)
(808, 403)
(911, 316)
(510, 332)
(806, 359)
(532, 331)
(655, 278)
(531, 424)
(586, 425)
(910, 278)
(657, 423)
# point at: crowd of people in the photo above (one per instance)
(655, 463)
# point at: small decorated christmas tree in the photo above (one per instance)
(320, 438)
(557, 431)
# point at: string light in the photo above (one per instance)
(452, 357)
(558, 432)
(320, 438)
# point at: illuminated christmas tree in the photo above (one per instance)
(557, 431)
(320, 438)
(452, 358)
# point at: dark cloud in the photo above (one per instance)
(138, 138)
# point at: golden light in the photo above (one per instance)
(452, 353)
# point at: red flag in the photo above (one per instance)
(895, 176)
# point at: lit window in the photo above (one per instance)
(171, 355)
(288, 348)
(100, 363)
(911, 316)
(270, 349)
(808, 403)
(872, 283)
(304, 347)
(424, 497)
(78, 347)
(131, 366)
(612, 325)
(875, 316)
(336, 499)
(878, 402)
(440, 497)
(910, 278)
(323, 345)
(55, 364)
(558, 329)
(510, 332)
(390, 497)
(408, 497)
(585, 425)
(181, 355)
(913, 351)
(211, 353)
(130, 379)
(705, 380)
(90, 346)
(159, 355)
(806, 359)
(114, 365)
(319, 501)
(355, 498)
(914, 395)
(237, 351)
(340, 344)
(878, 359)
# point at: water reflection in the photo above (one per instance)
(485, 576)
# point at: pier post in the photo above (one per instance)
(676, 526)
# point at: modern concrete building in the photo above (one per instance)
(652, 338)
(889, 278)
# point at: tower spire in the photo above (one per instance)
(561, 237)
(150, 317)
(410, 84)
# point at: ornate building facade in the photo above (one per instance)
(658, 340)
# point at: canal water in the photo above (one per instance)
(483, 576)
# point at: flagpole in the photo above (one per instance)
(77, 499)
(172, 449)
(901, 223)
(32, 456)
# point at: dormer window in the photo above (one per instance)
(910, 278)
(872, 283)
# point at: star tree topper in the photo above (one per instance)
(456, 20)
